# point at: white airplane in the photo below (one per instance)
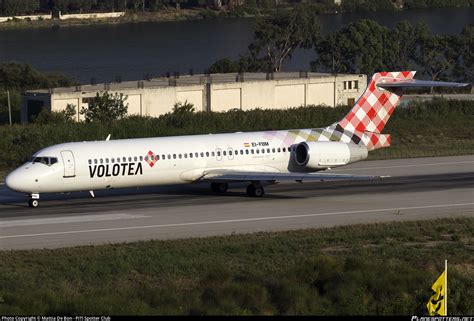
(254, 157)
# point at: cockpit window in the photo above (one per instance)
(45, 160)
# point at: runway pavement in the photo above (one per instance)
(419, 188)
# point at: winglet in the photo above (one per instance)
(108, 137)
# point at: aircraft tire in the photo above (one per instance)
(33, 203)
(219, 187)
(255, 190)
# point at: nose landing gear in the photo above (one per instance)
(34, 200)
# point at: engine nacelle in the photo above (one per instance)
(319, 155)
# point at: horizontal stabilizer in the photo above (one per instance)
(415, 83)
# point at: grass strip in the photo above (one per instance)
(361, 269)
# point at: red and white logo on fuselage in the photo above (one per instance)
(151, 158)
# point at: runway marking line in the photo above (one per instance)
(69, 219)
(401, 166)
(238, 220)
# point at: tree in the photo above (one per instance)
(183, 108)
(402, 41)
(464, 65)
(278, 35)
(69, 113)
(105, 108)
(361, 47)
(433, 54)
(224, 65)
(23, 77)
(15, 7)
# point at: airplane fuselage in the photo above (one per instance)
(160, 161)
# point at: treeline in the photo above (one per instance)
(21, 7)
(435, 128)
(360, 47)
(16, 78)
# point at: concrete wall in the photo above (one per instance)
(49, 16)
(219, 97)
(91, 15)
(31, 17)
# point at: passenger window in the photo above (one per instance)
(230, 153)
(247, 151)
(196, 154)
(124, 159)
(202, 154)
(90, 161)
(163, 156)
(279, 150)
(129, 158)
(135, 158)
(157, 157)
(284, 149)
(107, 160)
(169, 156)
(268, 150)
(241, 152)
(95, 161)
(180, 156)
(258, 151)
(185, 155)
(190, 155)
(141, 158)
(224, 153)
(112, 160)
(207, 154)
(218, 153)
(174, 156)
(252, 151)
(101, 161)
(213, 154)
(263, 150)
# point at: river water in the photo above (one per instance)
(133, 50)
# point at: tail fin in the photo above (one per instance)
(368, 117)
(376, 105)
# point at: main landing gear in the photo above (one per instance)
(255, 189)
(34, 200)
(219, 187)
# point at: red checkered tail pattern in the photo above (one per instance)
(368, 117)
(376, 105)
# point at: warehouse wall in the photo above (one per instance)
(221, 97)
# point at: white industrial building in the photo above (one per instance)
(216, 92)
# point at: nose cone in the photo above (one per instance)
(17, 181)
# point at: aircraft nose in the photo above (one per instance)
(14, 181)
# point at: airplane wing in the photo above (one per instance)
(246, 176)
(419, 83)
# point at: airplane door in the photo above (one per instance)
(230, 151)
(69, 164)
(218, 154)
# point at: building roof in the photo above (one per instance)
(183, 80)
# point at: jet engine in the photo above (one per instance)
(320, 155)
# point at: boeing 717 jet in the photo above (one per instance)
(220, 159)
